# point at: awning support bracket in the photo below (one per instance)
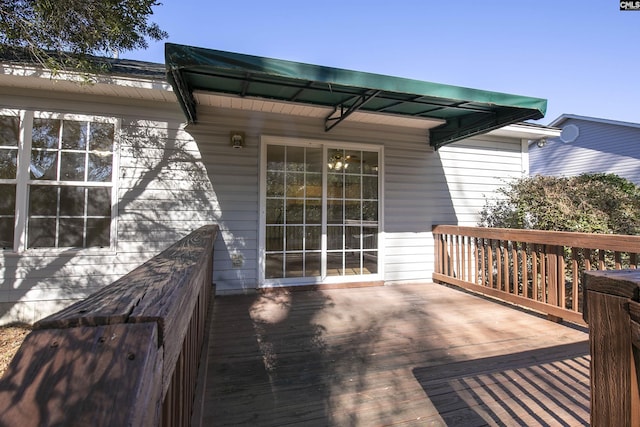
(340, 112)
(188, 102)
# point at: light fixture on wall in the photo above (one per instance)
(541, 142)
(237, 139)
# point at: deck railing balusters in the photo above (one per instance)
(541, 270)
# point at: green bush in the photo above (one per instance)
(589, 203)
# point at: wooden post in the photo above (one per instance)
(613, 370)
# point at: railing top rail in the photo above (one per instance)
(613, 242)
(621, 283)
(109, 360)
(147, 294)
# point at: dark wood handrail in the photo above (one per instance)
(540, 270)
(613, 314)
(126, 355)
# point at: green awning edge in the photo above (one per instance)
(180, 60)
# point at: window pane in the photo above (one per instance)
(294, 238)
(313, 211)
(334, 238)
(74, 135)
(6, 232)
(275, 211)
(274, 264)
(352, 211)
(370, 260)
(275, 157)
(72, 166)
(99, 202)
(334, 212)
(314, 185)
(370, 187)
(334, 264)
(43, 201)
(98, 232)
(352, 237)
(275, 239)
(42, 233)
(7, 212)
(335, 159)
(370, 238)
(72, 201)
(44, 165)
(9, 131)
(352, 162)
(295, 184)
(370, 163)
(70, 233)
(314, 160)
(312, 264)
(7, 199)
(275, 184)
(313, 239)
(352, 187)
(295, 159)
(8, 164)
(100, 167)
(295, 211)
(352, 263)
(294, 267)
(335, 186)
(370, 211)
(46, 133)
(102, 136)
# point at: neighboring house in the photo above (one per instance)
(589, 145)
(315, 175)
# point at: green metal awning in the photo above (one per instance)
(463, 112)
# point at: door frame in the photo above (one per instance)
(325, 144)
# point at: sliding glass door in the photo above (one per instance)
(320, 213)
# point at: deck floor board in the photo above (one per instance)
(404, 355)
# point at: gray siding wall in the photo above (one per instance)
(164, 193)
(173, 180)
(600, 147)
(421, 187)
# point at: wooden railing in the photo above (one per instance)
(613, 313)
(126, 356)
(540, 270)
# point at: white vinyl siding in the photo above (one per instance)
(173, 179)
(421, 187)
(163, 194)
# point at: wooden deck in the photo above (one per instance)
(417, 355)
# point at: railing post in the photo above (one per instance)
(614, 384)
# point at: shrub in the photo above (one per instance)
(589, 203)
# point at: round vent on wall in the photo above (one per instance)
(569, 133)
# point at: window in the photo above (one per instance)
(56, 181)
(9, 136)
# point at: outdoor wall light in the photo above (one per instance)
(237, 139)
(541, 142)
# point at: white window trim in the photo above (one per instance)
(324, 144)
(23, 182)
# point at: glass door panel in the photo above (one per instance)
(294, 212)
(352, 212)
(321, 212)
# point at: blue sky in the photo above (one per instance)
(583, 56)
